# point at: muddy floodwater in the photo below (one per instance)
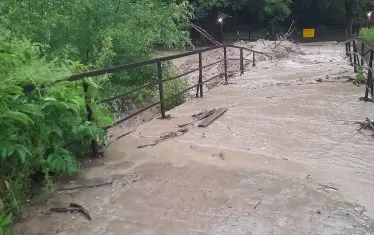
(286, 158)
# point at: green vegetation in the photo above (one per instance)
(44, 127)
(306, 13)
(277, 10)
(360, 77)
(172, 88)
(367, 34)
(38, 126)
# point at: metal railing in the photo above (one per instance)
(160, 80)
(361, 59)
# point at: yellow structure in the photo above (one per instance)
(309, 33)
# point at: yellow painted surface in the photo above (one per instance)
(308, 33)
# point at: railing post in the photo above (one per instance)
(241, 62)
(254, 59)
(94, 145)
(355, 56)
(225, 62)
(201, 75)
(362, 53)
(346, 48)
(350, 52)
(161, 89)
(369, 80)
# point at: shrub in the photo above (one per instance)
(173, 88)
(360, 77)
(5, 222)
(367, 34)
(43, 128)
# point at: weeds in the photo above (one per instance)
(38, 126)
(360, 77)
(45, 128)
(174, 88)
(367, 34)
(5, 222)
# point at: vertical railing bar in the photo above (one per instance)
(225, 63)
(201, 75)
(370, 74)
(197, 90)
(362, 53)
(241, 62)
(161, 89)
(254, 59)
(355, 56)
(369, 79)
(346, 48)
(94, 145)
(350, 52)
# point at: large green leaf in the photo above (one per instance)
(18, 117)
(5, 222)
(31, 109)
(62, 161)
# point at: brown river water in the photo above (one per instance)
(286, 158)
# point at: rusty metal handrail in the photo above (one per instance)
(152, 61)
(357, 63)
(160, 81)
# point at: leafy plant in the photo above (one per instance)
(367, 34)
(5, 219)
(277, 10)
(39, 123)
(360, 77)
(173, 89)
(43, 121)
(5, 222)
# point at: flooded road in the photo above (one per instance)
(286, 158)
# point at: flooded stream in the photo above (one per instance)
(286, 158)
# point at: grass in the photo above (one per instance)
(367, 34)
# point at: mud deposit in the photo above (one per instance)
(286, 158)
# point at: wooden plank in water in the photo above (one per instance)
(211, 118)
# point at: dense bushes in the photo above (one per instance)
(39, 125)
(44, 126)
(367, 34)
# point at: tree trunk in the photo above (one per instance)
(349, 27)
(349, 17)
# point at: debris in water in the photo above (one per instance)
(199, 116)
(73, 208)
(167, 136)
(123, 135)
(167, 117)
(85, 184)
(206, 122)
(360, 209)
(364, 99)
(255, 207)
(325, 187)
(366, 125)
(221, 155)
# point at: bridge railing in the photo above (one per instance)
(362, 58)
(159, 80)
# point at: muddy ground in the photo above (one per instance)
(286, 158)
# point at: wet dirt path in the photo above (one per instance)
(285, 158)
